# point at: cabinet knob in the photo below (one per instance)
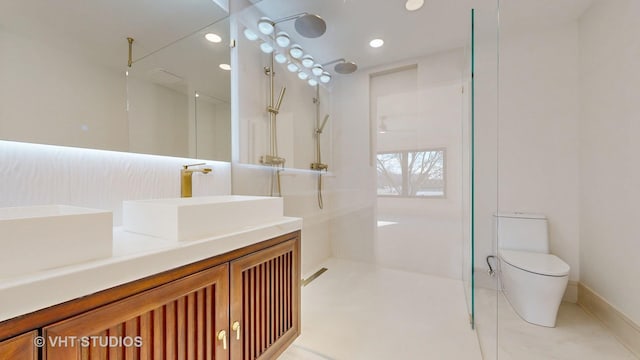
(222, 336)
(236, 327)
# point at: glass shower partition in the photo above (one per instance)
(480, 166)
(467, 171)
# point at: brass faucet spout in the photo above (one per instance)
(186, 179)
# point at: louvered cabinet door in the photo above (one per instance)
(265, 302)
(178, 320)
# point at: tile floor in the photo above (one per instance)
(360, 311)
(577, 334)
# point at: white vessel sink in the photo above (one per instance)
(35, 238)
(187, 219)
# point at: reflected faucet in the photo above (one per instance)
(186, 180)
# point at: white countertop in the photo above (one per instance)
(134, 257)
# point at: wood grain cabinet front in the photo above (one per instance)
(265, 302)
(21, 347)
(245, 309)
(178, 320)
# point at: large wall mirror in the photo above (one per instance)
(64, 77)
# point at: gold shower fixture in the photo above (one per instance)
(130, 41)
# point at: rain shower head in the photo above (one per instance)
(307, 25)
(346, 67)
(310, 25)
(343, 67)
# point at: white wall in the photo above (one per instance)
(538, 132)
(158, 119)
(427, 236)
(609, 133)
(213, 133)
(52, 95)
(33, 174)
(353, 229)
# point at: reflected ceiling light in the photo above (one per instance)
(413, 5)
(280, 58)
(225, 67)
(307, 61)
(214, 38)
(293, 67)
(250, 35)
(325, 77)
(376, 43)
(296, 51)
(266, 48)
(197, 95)
(266, 25)
(303, 75)
(282, 39)
(317, 70)
(312, 82)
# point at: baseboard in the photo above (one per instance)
(571, 293)
(622, 327)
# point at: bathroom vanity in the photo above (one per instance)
(232, 296)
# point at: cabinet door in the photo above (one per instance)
(178, 320)
(21, 347)
(265, 302)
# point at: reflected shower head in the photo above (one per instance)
(343, 67)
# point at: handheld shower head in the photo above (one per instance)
(324, 122)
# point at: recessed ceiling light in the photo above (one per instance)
(214, 38)
(376, 43)
(413, 5)
(225, 67)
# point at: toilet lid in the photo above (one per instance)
(539, 263)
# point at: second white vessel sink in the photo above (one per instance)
(187, 219)
(35, 238)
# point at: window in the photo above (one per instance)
(411, 173)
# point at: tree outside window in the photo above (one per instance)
(411, 173)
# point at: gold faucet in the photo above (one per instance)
(186, 181)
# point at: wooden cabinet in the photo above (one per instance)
(179, 320)
(245, 307)
(265, 302)
(20, 347)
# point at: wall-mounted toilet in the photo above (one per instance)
(532, 279)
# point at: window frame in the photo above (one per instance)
(406, 152)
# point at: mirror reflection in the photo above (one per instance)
(63, 78)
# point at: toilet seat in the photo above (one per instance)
(537, 263)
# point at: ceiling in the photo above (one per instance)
(439, 25)
(98, 28)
